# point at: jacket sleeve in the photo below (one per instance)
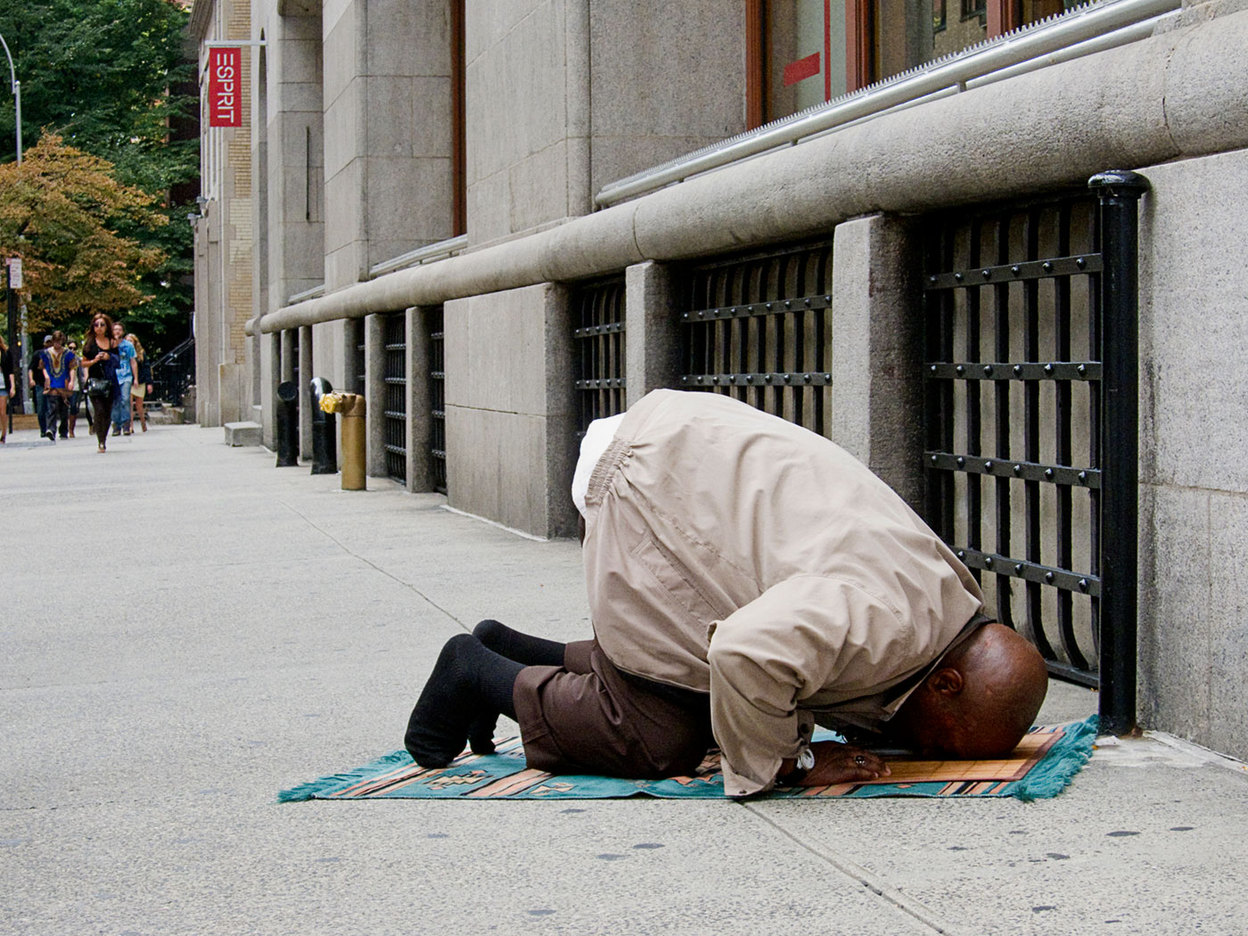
(800, 636)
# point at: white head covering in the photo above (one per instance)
(597, 437)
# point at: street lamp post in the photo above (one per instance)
(16, 87)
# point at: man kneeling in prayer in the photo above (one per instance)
(747, 580)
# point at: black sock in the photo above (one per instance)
(511, 645)
(468, 688)
(514, 645)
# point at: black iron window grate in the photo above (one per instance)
(1014, 398)
(598, 310)
(759, 328)
(437, 398)
(294, 372)
(395, 414)
(356, 376)
(1032, 421)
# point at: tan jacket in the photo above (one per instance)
(733, 552)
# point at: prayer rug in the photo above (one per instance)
(1041, 766)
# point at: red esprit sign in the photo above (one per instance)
(224, 87)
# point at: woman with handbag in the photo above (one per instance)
(99, 356)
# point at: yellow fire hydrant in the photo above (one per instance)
(352, 408)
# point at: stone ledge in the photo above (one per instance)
(242, 433)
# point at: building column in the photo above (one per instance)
(511, 408)
(286, 355)
(270, 371)
(877, 346)
(651, 330)
(417, 363)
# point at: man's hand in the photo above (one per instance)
(841, 763)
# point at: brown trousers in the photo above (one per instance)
(589, 717)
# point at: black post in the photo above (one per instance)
(1119, 192)
(10, 339)
(324, 440)
(287, 425)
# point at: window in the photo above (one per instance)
(459, 171)
(803, 46)
(804, 52)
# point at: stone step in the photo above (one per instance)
(242, 433)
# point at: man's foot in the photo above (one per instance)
(116, 432)
(481, 733)
(438, 728)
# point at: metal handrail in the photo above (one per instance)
(429, 252)
(315, 292)
(171, 374)
(1083, 30)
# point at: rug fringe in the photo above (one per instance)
(1055, 771)
(325, 785)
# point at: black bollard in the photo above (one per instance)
(287, 425)
(324, 438)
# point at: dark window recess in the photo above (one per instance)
(355, 349)
(759, 328)
(395, 422)
(598, 313)
(294, 370)
(1030, 313)
(437, 398)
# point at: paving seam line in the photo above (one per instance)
(372, 565)
(1191, 748)
(868, 880)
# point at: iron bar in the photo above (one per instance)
(1001, 320)
(1003, 565)
(1032, 523)
(1062, 428)
(1023, 271)
(757, 380)
(433, 321)
(1021, 370)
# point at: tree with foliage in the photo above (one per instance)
(113, 79)
(62, 212)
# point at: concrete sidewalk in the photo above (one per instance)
(187, 630)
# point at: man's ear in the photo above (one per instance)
(946, 681)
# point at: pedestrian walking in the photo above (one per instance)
(127, 371)
(34, 380)
(80, 381)
(99, 356)
(142, 383)
(59, 365)
(8, 388)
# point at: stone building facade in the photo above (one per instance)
(224, 234)
(495, 219)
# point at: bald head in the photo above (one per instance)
(980, 700)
